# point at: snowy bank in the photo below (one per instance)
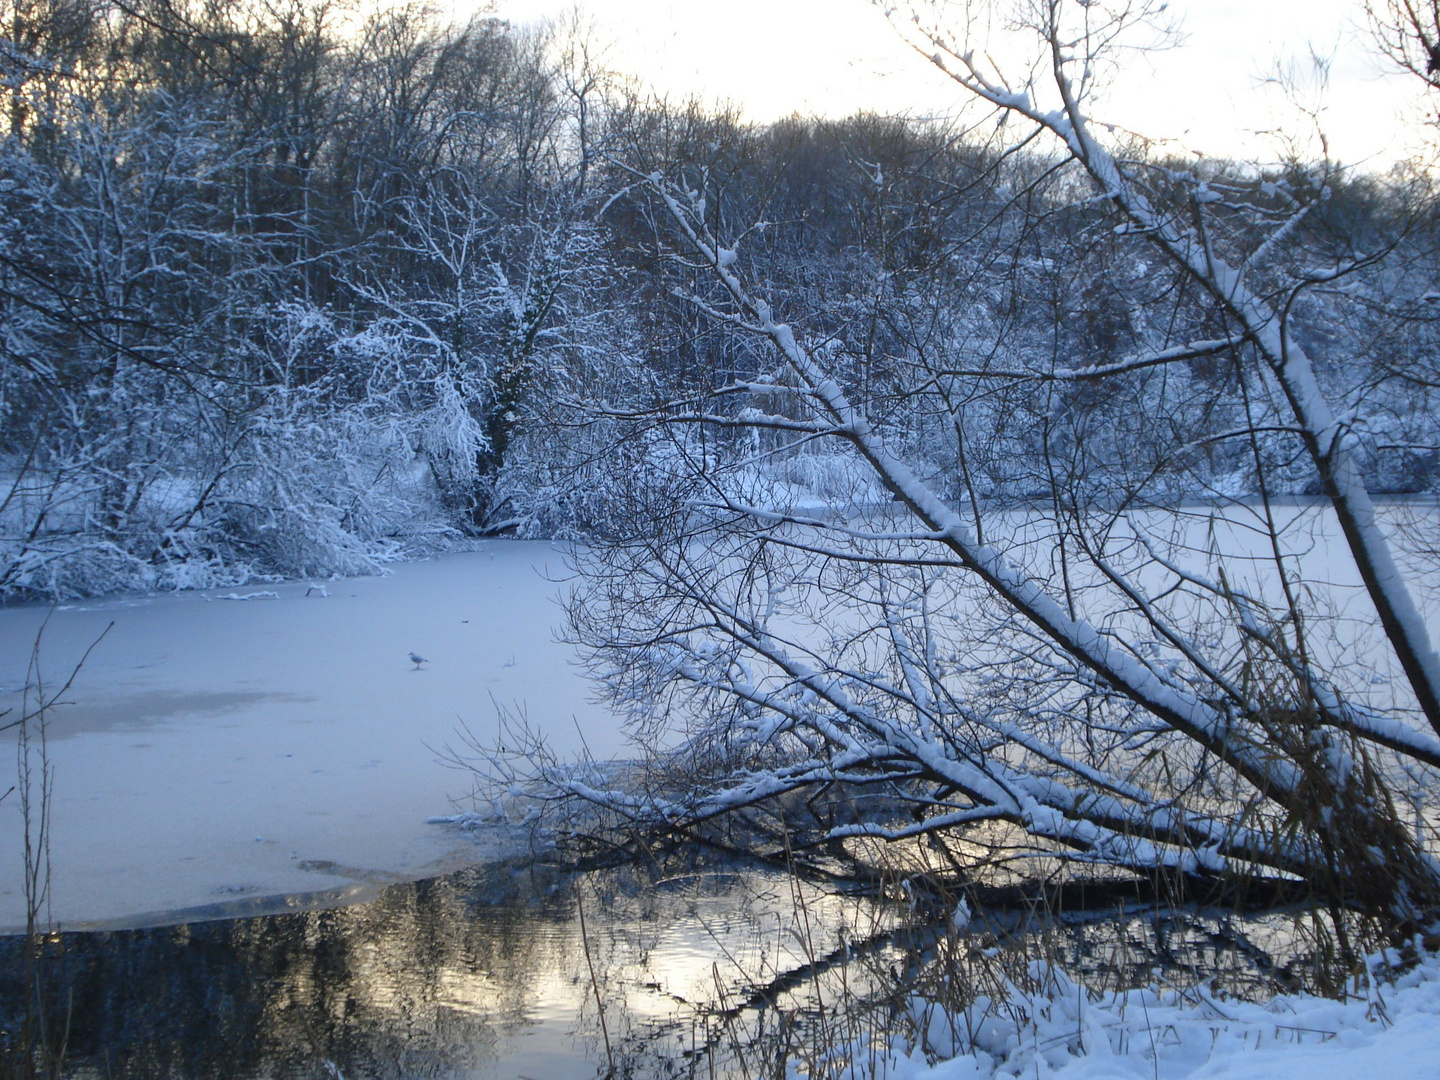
(1383, 1030)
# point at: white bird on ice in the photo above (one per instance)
(417, 660)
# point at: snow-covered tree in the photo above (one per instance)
(278, 291)
(1106, 675)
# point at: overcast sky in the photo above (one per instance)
(834, 57)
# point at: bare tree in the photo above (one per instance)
(1189, 228)
(1102, 675)
(1408, 33)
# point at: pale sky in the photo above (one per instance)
(835, 57)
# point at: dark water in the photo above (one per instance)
(480, 974)
(707, 970)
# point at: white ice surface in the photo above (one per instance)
(219, 751)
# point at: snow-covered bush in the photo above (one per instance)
(1048, 1024)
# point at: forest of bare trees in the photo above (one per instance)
(277, 282)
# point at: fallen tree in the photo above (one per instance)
(1105, 678)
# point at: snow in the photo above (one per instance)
(215, 753)
(961, 918)
(1385, 1030)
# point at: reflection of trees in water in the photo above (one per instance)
(484, 973)
(470, 975)
(429, 979)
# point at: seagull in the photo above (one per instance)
(417, 660)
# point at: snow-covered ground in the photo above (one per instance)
(1384, 1032)
(218, 750)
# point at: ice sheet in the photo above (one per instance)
(217, 750)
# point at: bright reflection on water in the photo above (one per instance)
(480, 974)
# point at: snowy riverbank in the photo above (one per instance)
(1385, 1030)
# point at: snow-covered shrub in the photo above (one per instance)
(829, 479)
(1046, 1023)
(331, 493)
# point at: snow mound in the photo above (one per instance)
(1384, 1029)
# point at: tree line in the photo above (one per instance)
(292, 288)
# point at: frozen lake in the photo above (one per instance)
(228, 754)
(220, 752)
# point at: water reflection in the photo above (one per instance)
(710, 970)
(480, 974)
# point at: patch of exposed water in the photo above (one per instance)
(712, 969)
(484, 973)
